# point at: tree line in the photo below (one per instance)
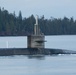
(12, 25)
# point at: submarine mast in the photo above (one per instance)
(36, 27)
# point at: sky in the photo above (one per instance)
(48, 8)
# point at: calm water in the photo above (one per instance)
(33, 65)
(61, 42)
(48, 65)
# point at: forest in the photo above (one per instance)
(12, 25)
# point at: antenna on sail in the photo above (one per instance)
(36, 27)
(36, 20)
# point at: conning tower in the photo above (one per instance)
(37, 39)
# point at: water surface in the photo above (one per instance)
(33, 65)
(61, 42)
(47, 65)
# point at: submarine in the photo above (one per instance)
(35, 45)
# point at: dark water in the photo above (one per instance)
(38, 65)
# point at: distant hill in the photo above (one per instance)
(12, 25)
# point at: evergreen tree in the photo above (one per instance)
(10, 25)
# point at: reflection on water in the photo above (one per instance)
(38, 65)
(40, 57)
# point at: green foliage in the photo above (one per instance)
(12, 25)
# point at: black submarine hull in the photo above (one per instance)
(33, 51)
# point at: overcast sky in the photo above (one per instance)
(48, 8)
